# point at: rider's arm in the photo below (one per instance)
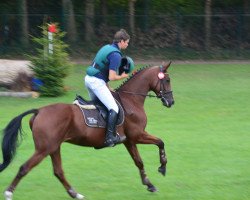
(114, 76)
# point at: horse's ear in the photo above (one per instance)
(165, 66)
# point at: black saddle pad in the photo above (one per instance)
(95, 113)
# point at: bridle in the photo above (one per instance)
(161, 93)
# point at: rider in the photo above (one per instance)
(104, 68)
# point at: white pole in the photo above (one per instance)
(50, 37)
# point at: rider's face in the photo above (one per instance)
(123, 44)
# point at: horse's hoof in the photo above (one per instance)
(8, 195)
(162, 170)
(79, 196)
(74, 194)
(152, 189)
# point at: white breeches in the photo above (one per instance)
(97, 88)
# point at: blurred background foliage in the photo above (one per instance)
(176, 29)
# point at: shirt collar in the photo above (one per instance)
(114, 44)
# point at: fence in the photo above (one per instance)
(176, 36)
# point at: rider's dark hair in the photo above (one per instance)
(121, 35)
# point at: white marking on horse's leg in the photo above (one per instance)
(8, 195)
(74, 194)
(79, 196)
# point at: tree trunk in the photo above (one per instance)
(131, 5)
(23, 22)
(70, 24)
(104, 11)
(208, 24)
(246, 19)
(89, 20)
(246, 6)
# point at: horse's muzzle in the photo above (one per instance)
(167, 99)
(167, 102)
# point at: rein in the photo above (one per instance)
(141, 94)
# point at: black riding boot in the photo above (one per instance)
(112, 138)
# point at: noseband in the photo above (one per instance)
(162, 91)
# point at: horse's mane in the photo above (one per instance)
(135, 73)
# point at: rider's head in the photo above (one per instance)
(122, 38)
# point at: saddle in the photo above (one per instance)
(95, 113)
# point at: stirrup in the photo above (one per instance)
(119, 139)
(109, 143)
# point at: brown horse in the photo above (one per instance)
(54, 124)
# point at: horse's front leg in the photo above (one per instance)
(132, 149)
(149, 139)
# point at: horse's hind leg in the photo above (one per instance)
(58, 172)
(24, 169)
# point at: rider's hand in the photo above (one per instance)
(114, 76)
(124, 75)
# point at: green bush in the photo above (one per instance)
(50, 67)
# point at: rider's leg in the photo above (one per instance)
(111, 139)
(99, 88)
(88, 84)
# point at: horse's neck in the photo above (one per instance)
(137, 85)
(135, 90)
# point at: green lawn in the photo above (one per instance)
(206, 134)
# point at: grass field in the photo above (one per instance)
(206, 134)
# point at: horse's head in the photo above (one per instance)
(162, 87)
(155, 79)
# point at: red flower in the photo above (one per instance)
(52, 28)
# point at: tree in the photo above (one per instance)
(208, 24)
(23, 22)
(104, 11)
(51, 64)
(246, 5)
(89, 20)
(70, 24)
(131, 5)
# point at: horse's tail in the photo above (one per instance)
(10, 138)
